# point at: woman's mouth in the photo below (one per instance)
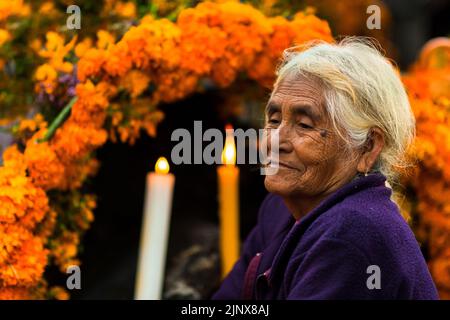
(282, 164)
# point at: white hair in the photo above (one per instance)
(362, 91)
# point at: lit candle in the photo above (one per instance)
(228, 179)
(154, 232)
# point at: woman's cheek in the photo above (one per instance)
(306, 153)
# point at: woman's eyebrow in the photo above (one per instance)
(272, 107)
(302, 109)
(306, 110)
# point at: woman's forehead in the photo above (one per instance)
(299, 90)
(299, 85)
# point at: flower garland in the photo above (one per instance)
(428, 86)
(23, 24)
(158, 58)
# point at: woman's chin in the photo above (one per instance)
(278, 185)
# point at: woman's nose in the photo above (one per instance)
(284, 135)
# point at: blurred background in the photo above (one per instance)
(107, 244)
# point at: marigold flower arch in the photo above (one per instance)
(215, 41)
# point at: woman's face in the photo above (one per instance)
(312, 157)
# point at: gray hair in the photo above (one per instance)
(362, 90)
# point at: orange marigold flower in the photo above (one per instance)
(13, 8)
(125, 9)
(90, 63)
(82, 47)
(308, 27)
(73, 142)
(25, 265)
(47, 8)
(20, 200)
(58, 293)
(15, 293)
(135, 82)
(45, 168)
(46, 75)
(104, 39)
(118, 61)
(4, 36)
(65, 249)
(34, 124)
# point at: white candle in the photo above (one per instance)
(154, 232)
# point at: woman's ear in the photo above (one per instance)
(371, 150)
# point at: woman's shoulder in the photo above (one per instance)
(367, 220)
(380, 236)
(374, 227)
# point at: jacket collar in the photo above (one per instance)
(283, 247)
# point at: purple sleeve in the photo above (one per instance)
(333, 269)
(231, 287)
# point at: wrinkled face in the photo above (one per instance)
(312, 157)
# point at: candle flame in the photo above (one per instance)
(229, 150)
(162, 166)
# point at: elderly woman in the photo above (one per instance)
(328, 228)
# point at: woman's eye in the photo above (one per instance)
(274, 121)
(305, 126)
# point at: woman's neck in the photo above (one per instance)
(300, 206)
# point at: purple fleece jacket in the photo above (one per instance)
(327, 253)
